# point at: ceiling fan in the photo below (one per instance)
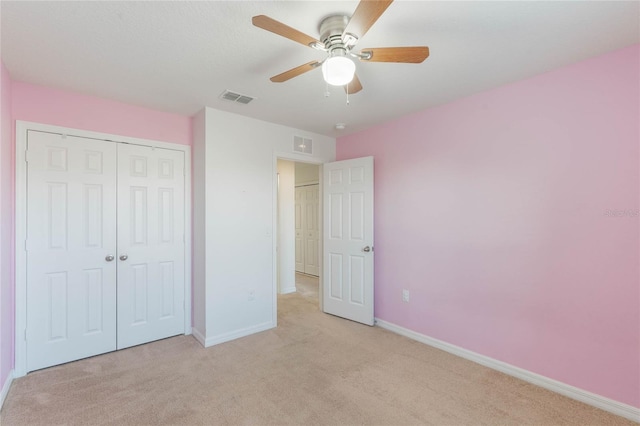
(339, 35)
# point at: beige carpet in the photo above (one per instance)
(307, 286)
(313, 369)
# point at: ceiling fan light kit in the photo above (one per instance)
(338, 70)
(339, 35)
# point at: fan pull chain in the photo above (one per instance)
(326, 90)
(347, 89)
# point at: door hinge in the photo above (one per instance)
(26, 245)
(27, 156)
(25, 334)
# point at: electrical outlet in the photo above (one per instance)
(252, 295)
(405, 295)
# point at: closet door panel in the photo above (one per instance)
(150, 244)
(71, 232)
(311, 231)
(299, 223)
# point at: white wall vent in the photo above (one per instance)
(303, 145)
(228, 95)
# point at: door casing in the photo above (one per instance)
(22, 127)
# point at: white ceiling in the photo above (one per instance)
(180, 56)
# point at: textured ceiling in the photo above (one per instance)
(180, 56)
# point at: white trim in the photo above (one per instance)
(321, 242)
(5, 388)
(274, 238)
(288, 290)
(29, 125)
(615, 407)
(20, 348)
(311, 182)
(199, 336)
(188, 245)
(236, 334)
(22, 127)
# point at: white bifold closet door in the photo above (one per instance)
(71, 229)
(307, 202)
(150, 244)
(311, 230)
(299, 224)
(105, 247)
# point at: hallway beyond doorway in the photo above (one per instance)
(307, 286)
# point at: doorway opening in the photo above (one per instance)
(299, 229)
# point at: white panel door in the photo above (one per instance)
(311, 230)
(150, 244)
(71, 231)
(348, 239)
(299, 198)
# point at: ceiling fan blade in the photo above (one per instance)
(294, 72)
(365, 15)
(354, 87)
(413, 55)
(269, 24)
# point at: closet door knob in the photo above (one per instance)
(124, 257)
(109, 258)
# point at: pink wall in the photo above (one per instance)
(52, 106)
(6, 228)
(22, 101)
(495, 212)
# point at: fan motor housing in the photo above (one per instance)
(331, 29)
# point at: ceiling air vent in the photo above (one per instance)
(228, 95)
(303, 145)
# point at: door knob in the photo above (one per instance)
(109, 258)
(366, 249)
(124, 257)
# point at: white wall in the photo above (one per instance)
(199, 170)
(286, 227)
(236, 157)
(307, 173)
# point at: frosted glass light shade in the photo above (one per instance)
(338, 70)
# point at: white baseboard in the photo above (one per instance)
(5, 388)
(615, 407)
(198, 335)
(288, 290)
(221, 338)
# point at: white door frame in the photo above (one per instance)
(299, 158)
(22, 127)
